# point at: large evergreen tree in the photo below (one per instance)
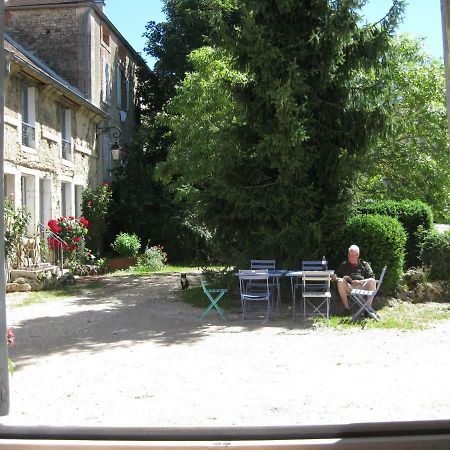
(277, 176)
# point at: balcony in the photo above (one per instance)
(66, 150)
(28, 135)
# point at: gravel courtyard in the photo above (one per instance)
(133, 354)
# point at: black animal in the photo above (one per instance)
(184, 282)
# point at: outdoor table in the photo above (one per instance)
(295, 275)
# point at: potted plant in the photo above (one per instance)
(127, 246)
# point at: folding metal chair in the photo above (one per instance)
(274, 283)
(361, 298)
(307, 265)
(316, 293)
(255, 290)
(214, 295)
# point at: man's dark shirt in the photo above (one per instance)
(361, 271)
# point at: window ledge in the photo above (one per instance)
(13, 121)
(50, 136)
(66, 162)
(30, 150)
(84, 150)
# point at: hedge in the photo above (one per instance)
(381, 240)
(436, 255)
(414, 215)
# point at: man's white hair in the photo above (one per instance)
(354, 249)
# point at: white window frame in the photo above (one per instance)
(28, 112)
(66, 134)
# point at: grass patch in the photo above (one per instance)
(135, 270)
(402, 316)
(35, 297)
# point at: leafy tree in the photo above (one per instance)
(96, 205)
(411, 159)
(142, 204)
(270, 131)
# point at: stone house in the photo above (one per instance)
(70, 93)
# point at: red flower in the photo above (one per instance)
(106, 184)
(73, 247)
(71, 218)
(10, 338)
(77, 239)
(84, 222)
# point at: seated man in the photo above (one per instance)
(354, 274)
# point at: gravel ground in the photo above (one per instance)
(132, 354)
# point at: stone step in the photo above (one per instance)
(34, 272)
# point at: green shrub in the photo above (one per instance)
(436, 254)
(153, 258)
(126, 245)
(414, 215)
(382, 242)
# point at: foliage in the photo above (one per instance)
(16, 223)
(143, 206)
(400, 316)
(141, 203)
(153, 259)
(276, 122)
(411, 159)
(96, 204)
(126, 244)
(436, 254)
(188, 23)
(382, 242)
(71, 231)
(414, 215)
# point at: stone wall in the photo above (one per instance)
(56, 35)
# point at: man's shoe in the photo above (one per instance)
(346, 313)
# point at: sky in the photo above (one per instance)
(422, 19)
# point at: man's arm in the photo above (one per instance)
(368, 272)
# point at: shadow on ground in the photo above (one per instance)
(122, 312)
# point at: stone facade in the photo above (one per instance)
(72, 75)
(48, 168)
(77, 41)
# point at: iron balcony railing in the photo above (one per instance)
(28, 135)
(66, 149)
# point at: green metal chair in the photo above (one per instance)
(214, 295)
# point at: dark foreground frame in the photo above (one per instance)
(421, 435)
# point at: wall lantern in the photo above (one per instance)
(116, 149)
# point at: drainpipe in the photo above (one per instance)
(87, 84)
(4, 374)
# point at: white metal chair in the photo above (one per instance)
(307, 265)
(255, 290)
(361, 298)
(316, 293)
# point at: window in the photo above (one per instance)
(107, 159)
(106, 38)
(28, 116)
(122, 87)
(106, 79)
(66, 134)
(78, 199)
(64, 199)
